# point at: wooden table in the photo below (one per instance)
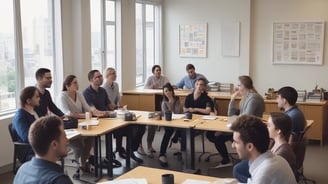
(154, 176)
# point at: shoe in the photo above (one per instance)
(121, 152)
(163, 161)
(115, 163)
(141, 151)
(223, 164)
(135, 158)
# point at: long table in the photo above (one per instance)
(150, 100)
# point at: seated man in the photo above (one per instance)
(251, 141)
(96, 96)
(49, 142)
(23, 119)
(188, 82)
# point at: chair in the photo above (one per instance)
(17, 146)
(298, 144)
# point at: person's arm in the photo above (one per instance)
(164, 107)
(63, 104)
(22, 126)
(63, 179)
(88, 97)
(231, 108)
(52, 107)
(148, 84)
(206, 110)
(181, 83)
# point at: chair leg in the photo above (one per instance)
(14, 161)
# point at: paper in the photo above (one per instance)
(177, 116)
(209, 117)
(70, 133)
(192, 181)
(126, 181)
(91, 122)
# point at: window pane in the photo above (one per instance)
(110, 10)
(7, 57)
(95, 11)
(139, 44)
(149, 13)
(150, 47)
(110, 46)
(37, 35)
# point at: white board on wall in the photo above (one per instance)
(230, 36)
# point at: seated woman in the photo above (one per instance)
(23, 119)
(156, 81)
(170, 103)
(280, 128)
(72, 103)
(251, 103)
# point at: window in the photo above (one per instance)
(146, 40)
(25, 49)
(7, 57)
(103, 34)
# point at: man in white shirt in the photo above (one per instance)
(251, 140)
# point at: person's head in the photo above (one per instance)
(70, 83)
(200, 85)
(43, 77)
(47, 137)
(250, 136)
(168, 91)
(279, 124)
(110, 74)
(29, 96)
(156, 70)
(95, 78)
(245, 84)
(286, 96)
(190, 68)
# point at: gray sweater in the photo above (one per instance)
(252, 104)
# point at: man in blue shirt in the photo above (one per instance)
(188, 82)
(287, 97)
(48, 140)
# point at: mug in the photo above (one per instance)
(168, 115)
(188, 115)
(167, 179)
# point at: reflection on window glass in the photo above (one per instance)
(95, 11)
(37, 35)
(110, 45)
(7, 57)
(145, 41)
(110, 13)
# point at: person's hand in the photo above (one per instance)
(112, 106)
(233, 96)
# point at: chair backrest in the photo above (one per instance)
(12, 133)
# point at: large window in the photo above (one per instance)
(23, 47)
(103, 34)
(147, 44)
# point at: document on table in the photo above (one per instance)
(192, 181)
(177, 116)
(209, 117)
(70, 133)
(126, 181)
(91, 122)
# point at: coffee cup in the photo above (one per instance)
(167, 179)
(168, 115)
(188, 115)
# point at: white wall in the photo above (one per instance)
(266, 75)
(213, 12)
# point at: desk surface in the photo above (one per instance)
(154, 176)
(221, 123)
(105, 125)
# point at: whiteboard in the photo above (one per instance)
(230, 36)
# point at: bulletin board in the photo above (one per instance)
(298, 42)
(193, 40)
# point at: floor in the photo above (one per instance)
(315, 162)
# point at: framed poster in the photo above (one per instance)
(193, 40)
(298, 42)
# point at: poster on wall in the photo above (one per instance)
(193, 40)
(298, 42)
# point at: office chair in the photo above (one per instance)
(17, 146)
(298, 145)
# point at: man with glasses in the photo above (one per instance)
(188, 82)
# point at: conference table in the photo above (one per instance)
(179, 177)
